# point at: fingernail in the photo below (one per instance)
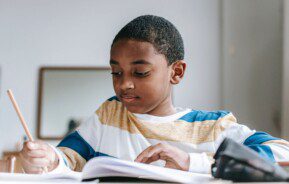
(31, 145)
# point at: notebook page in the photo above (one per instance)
(108, 166)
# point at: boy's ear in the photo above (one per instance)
(178, 71)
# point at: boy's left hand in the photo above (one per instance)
(174, 157)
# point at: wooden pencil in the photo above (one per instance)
(22, 120)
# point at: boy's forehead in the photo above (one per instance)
(132, 48)
(133, 51)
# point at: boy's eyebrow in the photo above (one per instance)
(141, 62)
(138, 62)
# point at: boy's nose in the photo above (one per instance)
(127, 84)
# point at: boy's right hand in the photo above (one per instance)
(36, 156)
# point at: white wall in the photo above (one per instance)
(79, 32)
(252, 62)
(285, 96)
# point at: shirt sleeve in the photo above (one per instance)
(267, 146)
(200, 163)
(62, 166)
(78, 147)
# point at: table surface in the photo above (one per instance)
(91, 182)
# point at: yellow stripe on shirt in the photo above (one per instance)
(113, 113)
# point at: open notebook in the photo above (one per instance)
(108, 167)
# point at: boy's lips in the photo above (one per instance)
(128, 98)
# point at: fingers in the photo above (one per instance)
(34, 170)
(174, 157)
(153, 158)
(150, 154)
(35, 156)
(35, 150)
(36, 162)
(33, 165)
(35, 145)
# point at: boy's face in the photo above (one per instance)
(141, 76)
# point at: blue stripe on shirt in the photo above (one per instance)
(264, 151)
(75, 142)
(195, 115)
(113, 98)
(255, 142)
(259, 138)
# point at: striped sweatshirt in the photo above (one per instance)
(114, 131)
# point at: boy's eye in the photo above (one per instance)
(116, 73)
(141, 74)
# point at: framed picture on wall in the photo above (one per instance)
(68, 96)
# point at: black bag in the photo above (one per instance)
(234, 161)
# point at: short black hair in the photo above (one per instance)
(161, 33)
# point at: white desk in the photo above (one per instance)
(92, 182)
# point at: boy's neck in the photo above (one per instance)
(166, 108)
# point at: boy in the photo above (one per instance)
(140, 123)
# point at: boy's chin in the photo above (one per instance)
(135, 109)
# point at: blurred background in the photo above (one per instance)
(54, 56)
